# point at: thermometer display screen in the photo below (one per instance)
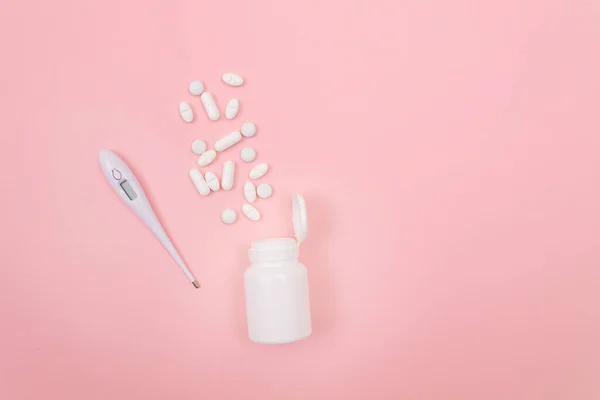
(128, 190)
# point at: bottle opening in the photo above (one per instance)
(273, 250)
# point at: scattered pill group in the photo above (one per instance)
(208, 181)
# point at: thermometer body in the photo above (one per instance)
(124, 182)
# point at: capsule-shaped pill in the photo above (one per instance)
(207, 157)
(212, 181)
(227, 177)
(232, 108)
(249, 192)
(232, 79)
(251, 212)
(208, 101)
(227, 141)
(186, 111)
(199, 182)
(258, 170)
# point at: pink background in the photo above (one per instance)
(448, 152)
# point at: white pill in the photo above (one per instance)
(208, 101)
(198, 146)
(227, 177)
(251, 212)
(196, 88)
(232, 79)
(249, 192)
(258, 170)
(228, 216)
(264, 190)
(232, 108)
(199, 181)
(248, 129)
(227, 141)
(212, 181)
(248, 154)
(186, 111)
(206, 158)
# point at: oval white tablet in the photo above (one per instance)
(212, 181)
(248, 154)
(208, 101)
(198, 146)
(232, 108)
(186, 111)
(199, 182)
(251, 212)
(227, 176)
(206, 158)
(258, 170)
(264, 190)
(196, 88)
(232, 79)
(249, 192)
(227, 141)
(228, 216)
(248, 129)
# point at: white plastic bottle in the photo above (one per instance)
(276, 284)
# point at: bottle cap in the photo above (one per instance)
(299, 218)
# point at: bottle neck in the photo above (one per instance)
(273, 252)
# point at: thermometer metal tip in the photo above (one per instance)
(196, 285)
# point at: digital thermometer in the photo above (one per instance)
(128, 188)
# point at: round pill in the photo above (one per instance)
(228, 216)
(196, 88)
(264, 190)
(248, 154)
(198, 146)
(248, 129)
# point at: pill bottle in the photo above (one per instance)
(276, 286)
